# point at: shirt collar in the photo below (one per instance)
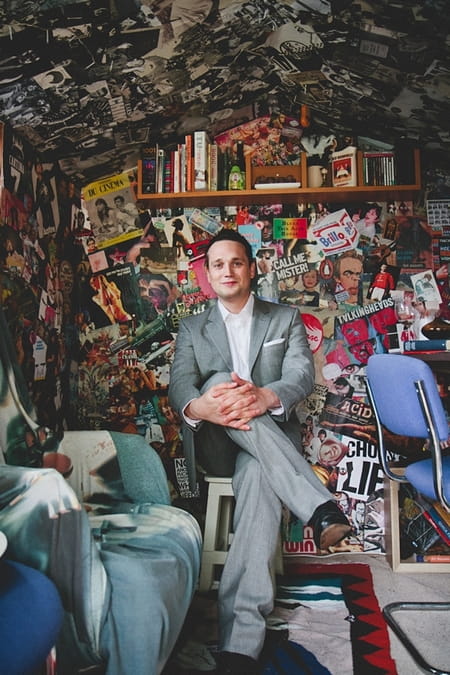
(245, 313)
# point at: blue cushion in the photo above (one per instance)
(420, 475)
(31, 616)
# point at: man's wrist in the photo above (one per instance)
(189, 410)
(273, 403)
(189, 414)
(272, 400)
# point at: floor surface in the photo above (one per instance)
(431, 631)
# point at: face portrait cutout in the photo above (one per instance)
(331, 452)
(348, 274)
(310, 279)
(267, 231)
(264, 260)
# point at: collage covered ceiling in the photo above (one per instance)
(90, 83)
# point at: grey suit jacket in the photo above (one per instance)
(280, 359)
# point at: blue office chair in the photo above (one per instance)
(31, 617)
(403, 393)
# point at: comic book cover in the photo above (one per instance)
(110, 207)
(271, 139)
(112, 296)
(413, 237)
(368, 330)
(197, 277)
(179, 235)
(157, 280)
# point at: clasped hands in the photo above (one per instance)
(233, 404)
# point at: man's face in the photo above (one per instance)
(349, 276)
(310, 279)
(229, 272)
(342, 388)
(266, 232)
(371, 216)
(265, 263)
(330, 454)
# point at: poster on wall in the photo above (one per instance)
(112, 296)
(46, 207)
(110, 208)
(17, 163)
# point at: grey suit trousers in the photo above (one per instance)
(268, 471)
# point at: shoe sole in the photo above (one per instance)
(333, 534)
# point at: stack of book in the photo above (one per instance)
(439, 519)
(424, 527)
(431, 345)
(378, 168)
(195, 164)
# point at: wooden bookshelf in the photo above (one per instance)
(298, 195)
(392, 535)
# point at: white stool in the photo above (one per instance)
(218, 530)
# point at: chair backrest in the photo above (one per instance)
(392, 380)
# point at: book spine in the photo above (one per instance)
(445, 515)
(392, 170)
(200, 160)
(168, 175)
(176, 170)
(182, 167)
(435, 344)
(149, 170)
(213, 166)
(379, 168)
(440, 522)
(385, 171)
(434, 524)
(189, 162)
(160, 170)
(444, 558)
(221, 169)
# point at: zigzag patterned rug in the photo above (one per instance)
(327, 620)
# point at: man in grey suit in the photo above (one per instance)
(239, 370)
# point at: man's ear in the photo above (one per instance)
(252, 269)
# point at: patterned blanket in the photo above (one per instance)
(328, 620)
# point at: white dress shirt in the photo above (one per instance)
(238, 331)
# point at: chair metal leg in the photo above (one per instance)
(392, 607)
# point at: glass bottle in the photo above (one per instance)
(236, 177)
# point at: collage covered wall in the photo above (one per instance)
(356, 272)
(94, 287)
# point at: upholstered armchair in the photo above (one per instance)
(124, 560)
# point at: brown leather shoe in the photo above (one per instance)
(329, 525)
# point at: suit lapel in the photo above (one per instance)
(216, 331)
(260, 324)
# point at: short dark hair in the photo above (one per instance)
(178, 224)
(226, 234)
